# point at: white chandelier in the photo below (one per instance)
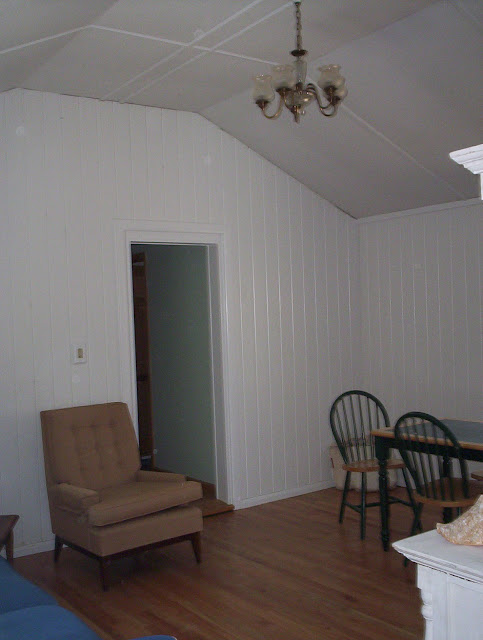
(288, 81)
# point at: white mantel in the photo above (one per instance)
(472, 159)
(450, 578)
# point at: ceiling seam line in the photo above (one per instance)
(46, 39)
(164, 75)
(398, 148)
(466, 13)
(234, 55)
(191, 43)
(143, 36)
(143, 73)
(251, 25)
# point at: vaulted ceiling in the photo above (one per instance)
(413, 69)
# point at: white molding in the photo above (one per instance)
(39, 547)
(431, 550)
(282, 495)
(433, 208)
(471, 159)
(129, 232)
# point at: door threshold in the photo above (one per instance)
(209, 504)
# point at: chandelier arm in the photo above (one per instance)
(276, 114)
(329, 109)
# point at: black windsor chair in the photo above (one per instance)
(353, 415)
(433, 457)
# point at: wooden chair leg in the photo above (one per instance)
(417, 520)
(344, 494)
(58, 548)
(413, 503)
(363, 505)
(415, 526)
(196, 544)
(447, 515)
(104, 572)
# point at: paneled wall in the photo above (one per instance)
(69, 168)
(421, 296)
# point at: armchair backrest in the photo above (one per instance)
(92, 446)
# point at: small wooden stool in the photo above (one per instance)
(7, 523)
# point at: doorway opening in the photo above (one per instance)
(176, 331)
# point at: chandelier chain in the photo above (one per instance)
(298, 19)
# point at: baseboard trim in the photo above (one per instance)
(282, 495)
(48, 545)
(30, 549)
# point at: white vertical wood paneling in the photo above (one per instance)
(422, 309)
(38, 264)
(247, 308)
(310, 326)
(333, 293)
(171, 164)
(474, 284)
(70, 167)
(108, 207)
(155, 164)
(75, 219)
(56, 250)
(214, 147)
(287, 333)
(187, 192)
(20, 263)
(272, 204)
(137, 133)
(262, 362)
(122, 161)
(201, 171)
(299, 334)
(95, 303)
(9, 468)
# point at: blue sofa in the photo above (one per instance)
(29, 613)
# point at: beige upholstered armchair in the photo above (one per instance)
(101, 502)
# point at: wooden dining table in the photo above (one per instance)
(468, 433)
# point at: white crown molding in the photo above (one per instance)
(472, 159)
(433, 208)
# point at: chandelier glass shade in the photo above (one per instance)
(288, 80)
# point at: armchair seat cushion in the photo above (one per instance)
(137, 499)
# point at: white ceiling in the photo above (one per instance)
(413, 70)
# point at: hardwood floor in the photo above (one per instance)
(280, 571)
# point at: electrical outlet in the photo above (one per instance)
(79, 353)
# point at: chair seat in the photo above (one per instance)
(136, 499)
(459, 500)
(477, 475)
(365, 466)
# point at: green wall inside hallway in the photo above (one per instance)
(179, 318)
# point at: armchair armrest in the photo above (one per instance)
(159, 476)
(72, 498)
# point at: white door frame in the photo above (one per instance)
(158, 232)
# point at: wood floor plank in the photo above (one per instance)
(283, 570)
